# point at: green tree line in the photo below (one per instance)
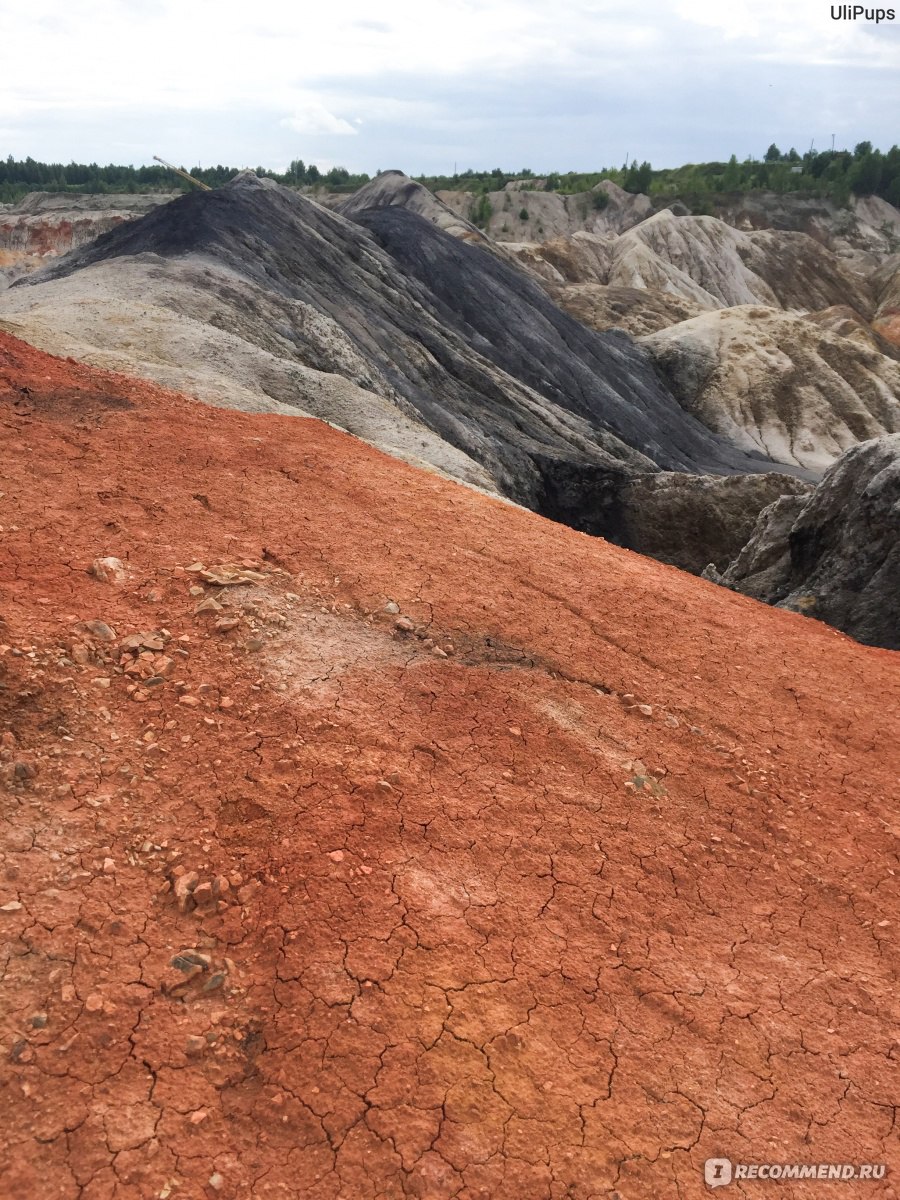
(831, 174)
(20, 176)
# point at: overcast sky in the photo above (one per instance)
(426, 84)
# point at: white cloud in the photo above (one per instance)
(215, 55)
(801, 32)
(314, 120)
(739, 18)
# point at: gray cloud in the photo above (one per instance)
(676, 81)
(662, 113)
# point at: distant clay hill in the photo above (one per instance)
(521, 214)
(886, 281)
(652, 377)
(779, 384)
(524, 211)
(393, 189)
(386, 325)
(45, 225)
(704, 260)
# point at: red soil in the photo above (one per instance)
(604, 888)
(887, 323)
(53, 235)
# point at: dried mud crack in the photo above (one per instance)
(363, 836)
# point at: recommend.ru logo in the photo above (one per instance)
(718, 1172)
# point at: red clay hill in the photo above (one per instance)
(367, 837)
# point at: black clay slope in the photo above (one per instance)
(470, 343)
(508, 317)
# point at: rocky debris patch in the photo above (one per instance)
(776, 382)
(193, 894)
(834, 554)
(109, 570)
(228, 574)
(145, 661)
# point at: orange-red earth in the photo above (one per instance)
(364, 836)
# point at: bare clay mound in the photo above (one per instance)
(367, 837)
(705, 262)
(44, 225)
(777, 383)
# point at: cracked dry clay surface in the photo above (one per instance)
(444, 852)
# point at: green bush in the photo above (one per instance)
(483, 211)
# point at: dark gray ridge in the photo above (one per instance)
(504, 314)
(834, 554)
(468, 341)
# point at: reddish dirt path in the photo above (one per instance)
(476, 858)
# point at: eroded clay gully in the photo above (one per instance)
(456, 854)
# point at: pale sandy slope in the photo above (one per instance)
(778, 383)
(175, 328)
(887, 286)
(707, 262)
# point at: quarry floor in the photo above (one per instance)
(444, 852)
